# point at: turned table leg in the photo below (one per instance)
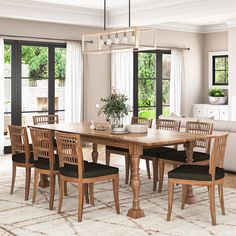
(44, 182)
(95, 153)
(190, 199)
(135, 151)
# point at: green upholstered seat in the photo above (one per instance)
(195, 172)
(117, 149)
(181, 156)
(155, 152)
(20, 157)
(43, 163)
(90, 170)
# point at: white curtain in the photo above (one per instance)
(74, 83)
(1, 96)
(176, 80)
(122, 77)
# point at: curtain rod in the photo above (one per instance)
(40, 38)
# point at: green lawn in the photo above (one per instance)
(151, 113)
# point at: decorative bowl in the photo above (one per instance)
(217, 100)
(137, 128)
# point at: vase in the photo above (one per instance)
(217, 100)
(117, 124)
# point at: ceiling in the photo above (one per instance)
(189, 15)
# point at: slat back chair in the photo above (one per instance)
(45, 161)
(200, 128)
(179, 157)
(70, 151)
(45, 119)
(21, 155)
(141, 121)
(124, 152)
(201, 175)
(154, 153)
(75, 169)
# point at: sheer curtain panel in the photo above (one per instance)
(1, 96)
(176, 79)
(74, 83)
(122, 76)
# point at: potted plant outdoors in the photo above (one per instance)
(115, 108)
(217, 96)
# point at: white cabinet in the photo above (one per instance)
(216, 112)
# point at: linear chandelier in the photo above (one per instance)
(132, 37)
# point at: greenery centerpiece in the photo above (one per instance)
(217, 96)
(115, 108)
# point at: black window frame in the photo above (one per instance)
(159, 81)
(214, 70)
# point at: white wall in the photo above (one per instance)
(212, 42)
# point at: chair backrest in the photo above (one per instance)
(45, 119)
(166, 124)
(196, 127)
(42, 141)
(70, 151)
(218, 154)
(141, 120)
(19, 141)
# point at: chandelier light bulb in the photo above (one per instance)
(116, 40)
(101, 40)
(125, 39)
(109, 40)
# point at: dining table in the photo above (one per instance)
(135, 143)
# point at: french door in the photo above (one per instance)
(34, 82)
(151, 83)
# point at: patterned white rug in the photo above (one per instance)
(21, 217)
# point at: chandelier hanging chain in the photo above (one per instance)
(105, 15)
(129, 14)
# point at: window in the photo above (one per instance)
(151, 83)
(220, 70)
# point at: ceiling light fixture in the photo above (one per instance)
(133, 37)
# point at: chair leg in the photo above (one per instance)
(115, 183)
(27, 182)
(127, 168)
(52, 191)
(221, 196)
(184, 195)
(212, 205)
(61, 195)
(148, 169)
(13, 179)
(170, 199)
(91, 193)
(36, 182)
(86, 195)
(161, 171)
(155, 173)
(108, 155)
(65, 188)
(81, 201)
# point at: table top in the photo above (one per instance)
(154, 137)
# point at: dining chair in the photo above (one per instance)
(74, 169)
(45, 161)
(153, 154)
(201, 175)
(125, 152)
(178, 157)
(21, 155)
(45, 119)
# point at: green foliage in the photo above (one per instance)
(37, 59)
(216, 92)
(114, 106)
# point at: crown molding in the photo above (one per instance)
(47, 12)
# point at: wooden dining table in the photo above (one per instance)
(135, 143)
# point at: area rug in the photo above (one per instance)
(19, 217)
